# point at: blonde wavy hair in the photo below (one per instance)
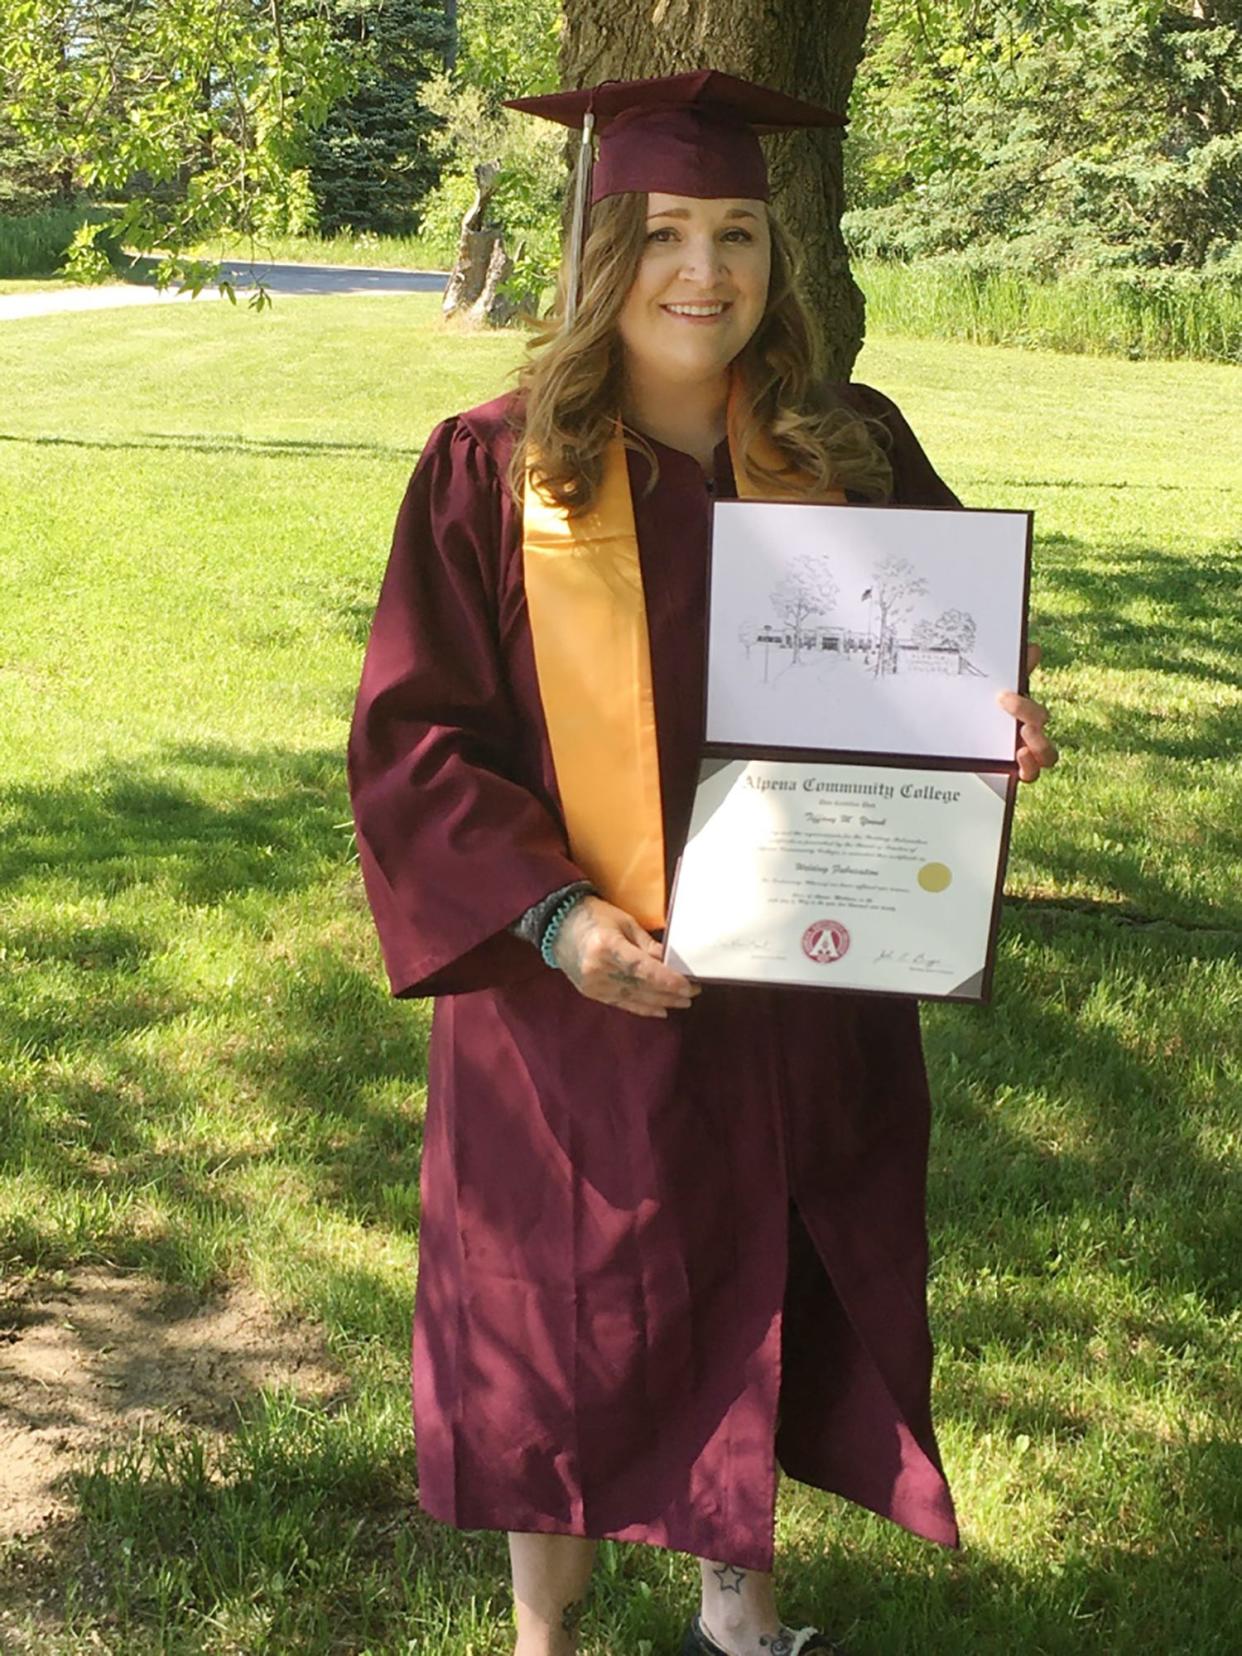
(570, 384)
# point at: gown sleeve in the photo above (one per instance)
(915, 480)
(453, 847)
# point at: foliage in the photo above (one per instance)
(194, 113)
(1049, 135)
(528, 194)
(369, 163)
(29, 182)
(507, 49)
(809, 590)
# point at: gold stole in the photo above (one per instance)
(588, 620)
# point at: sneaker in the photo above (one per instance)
(807, 1641)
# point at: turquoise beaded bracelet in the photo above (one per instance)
(559, 915)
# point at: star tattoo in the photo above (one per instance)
(735, 1586)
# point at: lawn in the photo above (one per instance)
(202, 1077)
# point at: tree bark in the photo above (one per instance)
(492, 307)
(482, 263)
(450, 36)
(808, 48)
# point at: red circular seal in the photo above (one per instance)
(825, 941)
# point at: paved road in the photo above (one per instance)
(284, 280)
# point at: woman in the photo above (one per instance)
(652, 1262)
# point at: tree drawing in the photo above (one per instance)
(953, 630)
(808, 590)
(893, 592)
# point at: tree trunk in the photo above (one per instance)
(482, 263)
(450, 34)
(492, 307)
(808, 48)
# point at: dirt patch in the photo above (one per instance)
(86, 1363)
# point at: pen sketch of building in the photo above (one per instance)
(890, 641)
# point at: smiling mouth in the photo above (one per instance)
(699, 312)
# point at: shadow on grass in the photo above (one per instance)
(1143, 897)
(1112, 1598)
(199, 820)
(230, 845)
(291, 448)
(1117, 1169)
(1121, 913)
(1096, 615)
(1121, 1031)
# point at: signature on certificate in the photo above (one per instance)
(759, 946)
(916, 961)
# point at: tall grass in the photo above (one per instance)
(1134, 314)
(34, 244)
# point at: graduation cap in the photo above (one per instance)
(691, 135)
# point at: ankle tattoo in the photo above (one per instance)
(729, 1577)
(571, 1615)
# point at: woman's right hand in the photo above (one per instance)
(608, 957)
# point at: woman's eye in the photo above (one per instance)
(668, 233)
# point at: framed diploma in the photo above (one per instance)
(833, 876)
(852, 814)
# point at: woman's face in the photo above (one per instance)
(701, 286)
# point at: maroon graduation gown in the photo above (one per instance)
(655, 1257)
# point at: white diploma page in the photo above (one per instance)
(864, 629)
(860, 877)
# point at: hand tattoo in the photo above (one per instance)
(622, 979)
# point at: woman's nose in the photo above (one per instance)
(703, 260)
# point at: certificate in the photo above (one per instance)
(851, 818)
(842, 876)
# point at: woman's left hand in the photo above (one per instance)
(1035, 752)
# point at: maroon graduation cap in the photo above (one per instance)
(692, 135)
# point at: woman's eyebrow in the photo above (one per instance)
(684, 213)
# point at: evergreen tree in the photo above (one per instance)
(370, 165)
(1049, 134)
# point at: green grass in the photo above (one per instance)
(1134, 313)
(202, 1074)
(35, 284)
